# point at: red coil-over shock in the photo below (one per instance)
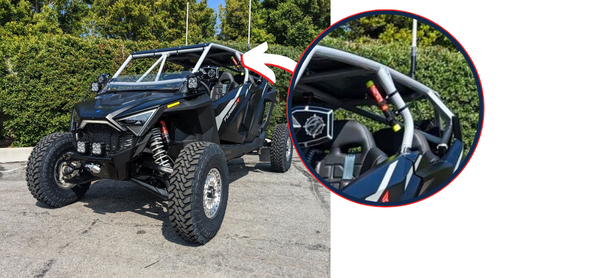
(383, 106)
(235, 62)
(165, 132)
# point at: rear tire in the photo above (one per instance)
(281, 149)
(41, 172)
(198, 182)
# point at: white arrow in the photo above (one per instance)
(257, 60)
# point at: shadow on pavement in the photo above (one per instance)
(238, 168)
(109, 197)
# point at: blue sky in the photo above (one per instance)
(215, 5)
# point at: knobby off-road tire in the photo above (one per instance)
(281, 149)
(197, 169)
(41, 168)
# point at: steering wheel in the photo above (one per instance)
(204, 85)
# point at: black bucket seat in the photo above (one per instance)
(340, 166)
(225, 84)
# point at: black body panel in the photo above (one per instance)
(239, 113)
(233, 151)
(110, 105)
(236, 121)
(193, 120)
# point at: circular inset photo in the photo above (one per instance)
(385, 108)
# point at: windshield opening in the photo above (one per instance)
(162, 72)
(150, 69)
(167, 70)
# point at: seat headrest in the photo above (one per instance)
(226, 76)
(349, 134)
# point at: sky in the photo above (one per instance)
(215, 5)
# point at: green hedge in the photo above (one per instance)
(41, 78)
(441, 69)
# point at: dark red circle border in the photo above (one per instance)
(464, 162)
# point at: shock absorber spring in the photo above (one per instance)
(159, 154)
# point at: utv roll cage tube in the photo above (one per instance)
(400, 90)
(386, 77)
(165, 53)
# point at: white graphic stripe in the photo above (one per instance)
(410, 172)
(219, 118)
(384, 183)
(458, 161)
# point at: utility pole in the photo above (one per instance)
(413, 62)
(249, 18)
(187, 20)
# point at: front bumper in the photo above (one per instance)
(114, 167)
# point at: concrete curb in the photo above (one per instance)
(14, 154)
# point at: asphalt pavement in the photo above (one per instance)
(276, 225)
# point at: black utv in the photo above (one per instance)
(169, 120)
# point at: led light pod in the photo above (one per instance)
(192, 82)
(97, 148)
(95, 87)
(103, 78)
(82, 147)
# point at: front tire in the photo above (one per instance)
(43, 170)
(281, 149)
(198, 191)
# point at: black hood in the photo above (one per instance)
(123, 103)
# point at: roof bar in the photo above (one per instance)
(164, 56)
(122, 67)
(160, 69)
(204, 53)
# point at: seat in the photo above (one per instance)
(225, 83)
(340, 166)
(390, 143)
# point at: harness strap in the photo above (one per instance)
(348, 172)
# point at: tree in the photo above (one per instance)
(234, 22)
(296, 22)
(202, 23)
(287, 22)
(162, 20)
(389, 28)
(47, 21)
(71, 14)
(34, 17)
(15, 17)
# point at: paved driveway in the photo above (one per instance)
(276, 225)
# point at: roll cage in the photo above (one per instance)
(208, 52)
(324, 67)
